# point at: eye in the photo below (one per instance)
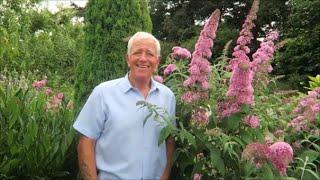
(150, 54)
(137, 53)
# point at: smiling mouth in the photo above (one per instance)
(143, 66)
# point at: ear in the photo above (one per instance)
(158, 59)
(157, 65)
(127, 60)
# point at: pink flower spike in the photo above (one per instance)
(179, 52)
(199, 68)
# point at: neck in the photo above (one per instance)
(142, 84)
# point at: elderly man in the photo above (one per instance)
(114, 143)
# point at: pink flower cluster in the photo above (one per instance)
(48, 91)
(199, 68)
(226, 108)
(197, 176)
(307, 111)
(280, 154)
(257, 153)
(201, 116)
(252, 121)
(191, 96)
(55, 101)
(158, 79)
(169, 69)
(180, 53)
(39, 84)
(261, 58)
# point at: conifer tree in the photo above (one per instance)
(108, 24)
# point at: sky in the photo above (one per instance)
(53, 5)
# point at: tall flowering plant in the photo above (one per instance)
(35, 128)
(230, 125)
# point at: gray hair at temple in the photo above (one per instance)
(143, 35)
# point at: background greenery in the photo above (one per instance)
(74, 56)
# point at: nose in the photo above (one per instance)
(143, 57)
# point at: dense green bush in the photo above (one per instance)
(32, 39)
(35, 128)
(108, 24)
(300, 56)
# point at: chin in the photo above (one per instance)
(141, 76)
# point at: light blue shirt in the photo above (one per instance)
(125, 148)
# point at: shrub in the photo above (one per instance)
(35, 128)
(231, 124)
(32, 39)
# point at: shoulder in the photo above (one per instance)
(108, 85)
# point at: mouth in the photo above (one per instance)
(142, 66)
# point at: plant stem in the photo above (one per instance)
(304, 166)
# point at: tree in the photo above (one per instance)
(175, 20)
(108, 23)
(300, 56)
(38, 40)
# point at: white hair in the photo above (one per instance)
(143, 35)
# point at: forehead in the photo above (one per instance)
(147, 44)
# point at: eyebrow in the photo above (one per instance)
(148, 50)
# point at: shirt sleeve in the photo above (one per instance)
(90, 121)
(172, 109)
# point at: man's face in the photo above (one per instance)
(143, 60)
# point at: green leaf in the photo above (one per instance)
(232, 122)
(216, 160)
(2, 95)
(146, 118)
(249, 169)
(12, 163)
(312, 155)
(33, 130)
(15, 111)
(197, 167)
(313, 173)
(191, 139)
(266, 173)
(288, 178)
(164, 134)
(141, 103)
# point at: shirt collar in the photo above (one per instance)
(126, 85)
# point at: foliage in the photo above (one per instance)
(314, 81)
(108, 23)
(176, 20)
(34, 39)
(35, 128)
(299, 57)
